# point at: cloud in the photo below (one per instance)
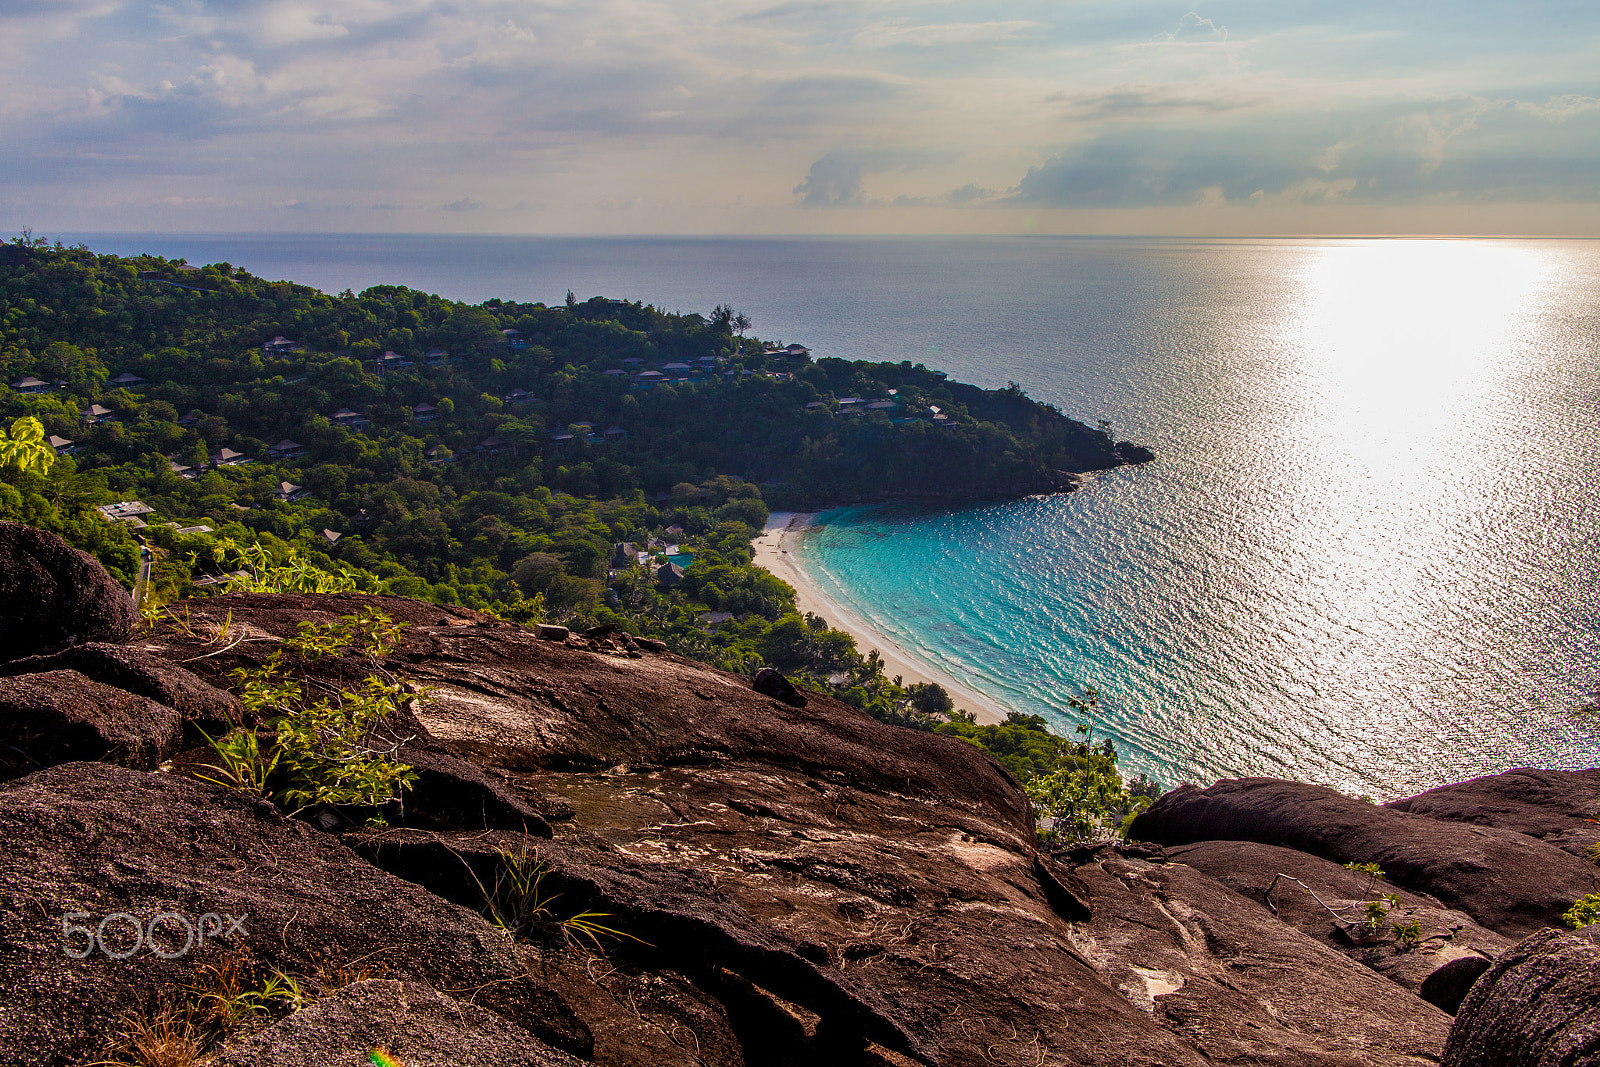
(1195, 27)
(1144, 102)
(683, 107)
(1465, 149)
(903, 33)
(466, 203)
(971, 193)
(835, 180)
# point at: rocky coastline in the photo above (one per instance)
(773, 884)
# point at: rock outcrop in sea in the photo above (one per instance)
(778, 882)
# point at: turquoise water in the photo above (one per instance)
(1369, 554)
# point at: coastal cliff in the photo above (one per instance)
(682, 869)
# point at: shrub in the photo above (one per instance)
(339, 751)
(1585, 911)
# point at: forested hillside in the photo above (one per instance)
(484, 455)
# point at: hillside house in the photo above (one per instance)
(227, 457)
(424, 413)
(127, 381)
(30, 384)
(346, 417)
(280, 346)
(561, 440)
(390, 361)
(63, 446)
(287, 449)
(288, 492)
(182, 470)
(613, 434)
(126, 511)
(669, 575)
(614, 372)
(435, 357)
(95, 415)
(490, 446)
(331, 536)
(518, 396)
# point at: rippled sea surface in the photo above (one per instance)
(1368, 555)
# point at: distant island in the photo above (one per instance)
(596, 463)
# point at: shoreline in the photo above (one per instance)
(774, 552)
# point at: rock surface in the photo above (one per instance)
(1538, 1006)
(1508, 882)
(56, 596)
(787, 885)
(94, 840)
(143, 673)
(1445, 935)
(58, 716)
(773, 684)
(1222, 973)
(417, 1025)
(1561, 808)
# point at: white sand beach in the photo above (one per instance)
(775, 552)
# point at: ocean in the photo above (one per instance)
(1368, 554)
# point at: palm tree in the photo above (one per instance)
(25, 447)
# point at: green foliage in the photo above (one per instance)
(339, 751)
(242, 763)
(1362, 918)
(1084, 797)
(25, 447)
(255, 570)
(1023, 744)
(1585, 911)
(519, 903)
(425, 507)
(336, 752)
(1408, 934)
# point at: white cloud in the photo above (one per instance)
(902, 32)
(680, 108)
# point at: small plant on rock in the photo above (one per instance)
(1585, 911)
(1361, 918)
(166, 1037)
(1409, 935)
(520, 905)
(338, 751)
(1084, 796)
(242, 763)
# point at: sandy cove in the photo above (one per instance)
(774, 550)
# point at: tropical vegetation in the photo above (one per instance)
(512, 457)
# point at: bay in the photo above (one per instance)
(1368, 555)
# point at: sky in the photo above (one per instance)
(801, 116)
